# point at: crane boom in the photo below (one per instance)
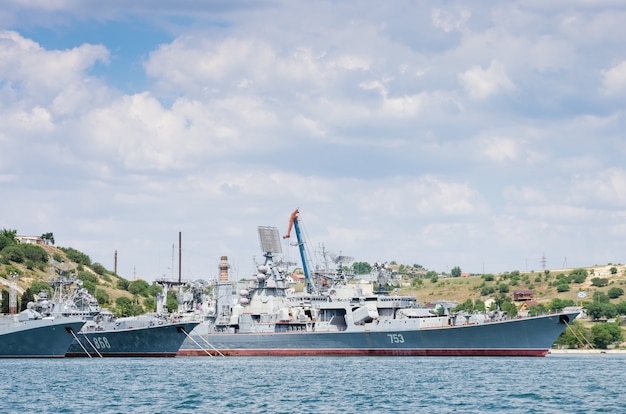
(294, 222)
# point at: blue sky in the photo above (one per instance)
(484, 135)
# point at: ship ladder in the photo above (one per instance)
(217, 351)
(580, 337)
(82, 346)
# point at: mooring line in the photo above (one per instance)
(79, 343)
(92, 346)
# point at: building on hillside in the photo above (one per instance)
(29, 239)
(295, 278)
(523, 295)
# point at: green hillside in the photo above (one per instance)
(35, 265)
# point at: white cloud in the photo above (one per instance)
(40, 75)
(604, 188)
(423, 196)
(614, 80)
(500, 149)
(481, 83)
(450, 19)
(309, 125)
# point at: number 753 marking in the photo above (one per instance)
(396, 338)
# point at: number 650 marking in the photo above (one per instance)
(396, 338)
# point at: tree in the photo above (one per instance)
(102, 296)
(150, 304)
(38, 286)
(34, 253)
(558, 304)
(126, 307)
(598, 310)
(90, 286)
(7, 238)
(361, 268)
(600, 297)
(599, 282)
(467, 306)
(615, 292)
(138, 287)
(27, 296)
(574, 336)
(154, 290)
(48, 238)
(594, 311)
(455, 272)
(122, 283)
(479, 306)
(508, 306)
(14, 253)
(613, 270)
(578, 275)
(5, 302)
(609, 311)
(536, 310)
(604, 334)
(171, 303)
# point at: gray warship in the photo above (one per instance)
(337, 318)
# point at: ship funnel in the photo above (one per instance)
(224, 266)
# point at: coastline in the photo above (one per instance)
(587, 351)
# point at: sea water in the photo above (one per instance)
(587, 383)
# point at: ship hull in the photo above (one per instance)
(154, 341)
(517, 337)
(45, 338)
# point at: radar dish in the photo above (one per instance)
(270, 240)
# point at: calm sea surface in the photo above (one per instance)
(554, 384)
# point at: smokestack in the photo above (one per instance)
(224, 269)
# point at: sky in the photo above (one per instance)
(485, 135)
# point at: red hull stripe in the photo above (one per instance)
(367, 352)
(123, 354)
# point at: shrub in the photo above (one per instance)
(98, 268)
(122, 283)
(34, 253)
(87, 277)
(615, 292)
(487, 290)
(13, 253)
(76, 256)
(102, 297)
